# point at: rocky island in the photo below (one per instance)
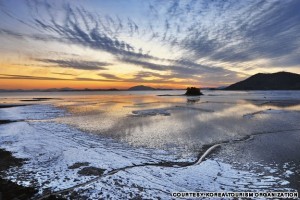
(193, 91)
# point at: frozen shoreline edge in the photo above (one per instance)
(135, 166)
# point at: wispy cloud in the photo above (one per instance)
(65, 74)
(14, 76)
(184, 67)
(76, 64)
(206, 40)
(243, 31)
(109, 76)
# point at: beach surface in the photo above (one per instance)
(118, 145)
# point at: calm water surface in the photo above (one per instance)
(175, 123)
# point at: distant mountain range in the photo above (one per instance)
(134, 88)
(145, 88)
(260, 81)
(140, 87)
(58, 90)
(275, 81)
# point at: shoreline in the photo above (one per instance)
(52, 149)
(30, 192)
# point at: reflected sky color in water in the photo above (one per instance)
(176, 123)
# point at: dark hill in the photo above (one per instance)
(275, 81)
(141, 87)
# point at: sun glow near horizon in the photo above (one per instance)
(174, 45)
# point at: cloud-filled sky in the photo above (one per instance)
(121, 43)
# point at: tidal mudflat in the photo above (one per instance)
(119, 145)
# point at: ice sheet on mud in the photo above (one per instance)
(51, 148)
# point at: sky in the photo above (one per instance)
(164, 44)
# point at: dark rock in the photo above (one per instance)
(9, 189)
(7, 121)
(193, 91)
(11, 105)
(54, 197)
(78, 164)
(8, 160)
(91, 171)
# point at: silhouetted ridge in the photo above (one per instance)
(141, 87)
(275, 81)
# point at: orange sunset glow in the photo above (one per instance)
(121, 46)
